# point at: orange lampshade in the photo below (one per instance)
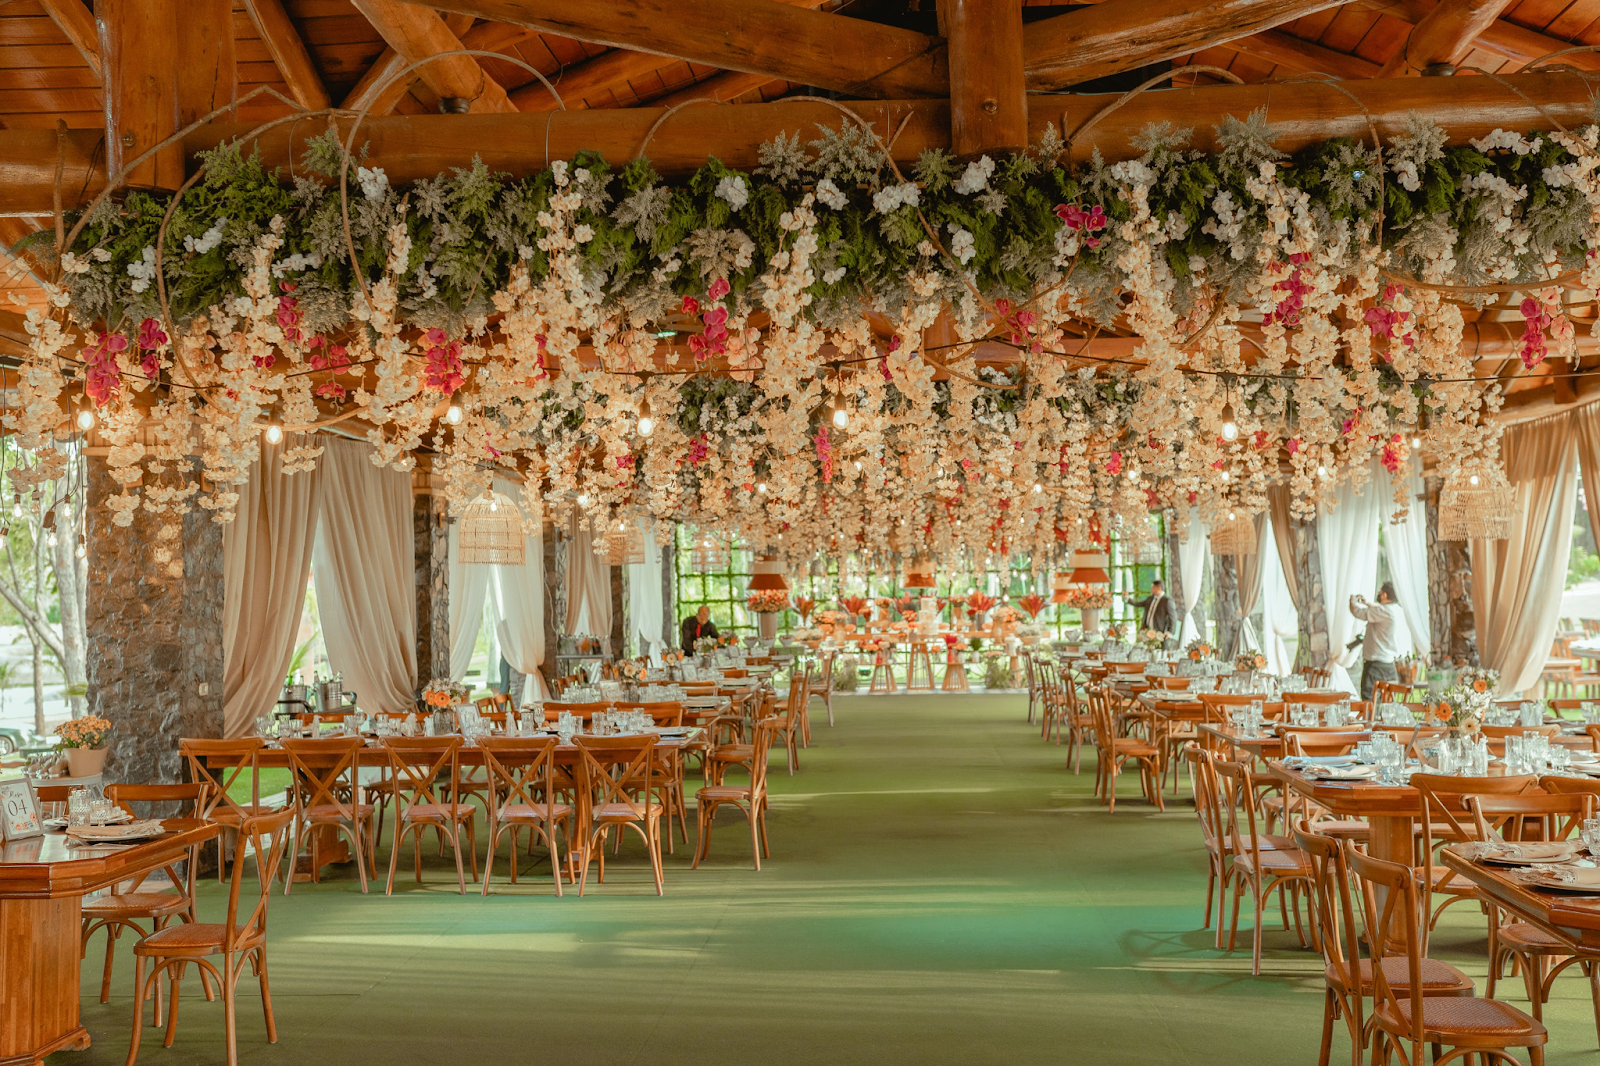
(1089, 568)
(1059, 585)
(919, 574)
(768, 574)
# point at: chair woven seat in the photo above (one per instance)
(1437, 977)
(1461, 1020)
(135, 905)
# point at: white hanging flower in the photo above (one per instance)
(890, 197)
(100, 255)
(962, 245)
(144, 271)
(831, 195)
(583, 233)
(831, 276)
(71, 264)
(733, 190)
(976, 177)
(374, 183)
(206, 241)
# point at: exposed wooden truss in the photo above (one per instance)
(419, 35)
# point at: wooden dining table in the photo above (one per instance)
(42, 884)
(1571, 918)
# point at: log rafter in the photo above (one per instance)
(417, 34)
(1443, 36)
(74, 19)
(289, 52)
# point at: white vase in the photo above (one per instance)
(1091, 620)
(767, 625)
(86, 762)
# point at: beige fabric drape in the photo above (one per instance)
(1586, 430)
(1283, 534)
(1517, 582)
(266, 558)
(588, 586)
(365, 576)
(1247, 571)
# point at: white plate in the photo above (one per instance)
(105, 834)
(1531, 853)
(1342, 773)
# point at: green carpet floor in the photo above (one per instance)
(940, 891)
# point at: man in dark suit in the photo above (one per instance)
(1155, 610)
(696, 626)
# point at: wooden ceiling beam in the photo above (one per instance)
(207, 72)
(417, 146)
(1305, 57)
(417, 33)
(138, 51)
(779, 40)
(74, 19)
(1500, 37)
(1443, 37)
(988, 100)
(289, 52)
(1120, 35)
(380, 88)
(722, 88)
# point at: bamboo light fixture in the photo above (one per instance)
(491, 532)
(1236, 536)
(1476, 504)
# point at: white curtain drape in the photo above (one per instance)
(1347, 540)
(519, 612)
(1517, 582)
(1279, 619)
(469, 588)
(588, 587)
(365, 576)
(1191, 564)
(644, 595)
(1406, 549)
(266, 559)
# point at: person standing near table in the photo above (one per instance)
(1378, 648)
(696, 626)
(1155, 610)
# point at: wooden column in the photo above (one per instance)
(207, 76)
(1225, 598)
(1450, 613)
(988, 97)
(139, 55)
(617, 639)
(1313, 648)
(669, 594)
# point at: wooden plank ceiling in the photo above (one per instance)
(323, 52)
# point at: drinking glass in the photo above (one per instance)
(1364, 752)
(78, 806)
(1591, 836)
(100, 810)
(1532, 713)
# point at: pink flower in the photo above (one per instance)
(442, 369)
(331, 390)
(151, 334)
(698, 451)
(719, 289)
(691, 306)
(101, 377)
(1292, 445)
(824, 453)
(1114, 464)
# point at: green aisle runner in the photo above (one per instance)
(940, 891)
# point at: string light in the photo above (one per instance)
(647, 422)
(86, 419)
(453, 415)
(762, 488)
(841, 417)
(1230, 428)
(1037, 488)
(583, 499)
(274, 433)
(1322, 471)
(1473, 480)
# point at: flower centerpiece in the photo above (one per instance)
(1152, 638)
(855, 606)
(810, 637)
(1033, 604)
(1199, 649)
(1462, 708)
(85, 742)
(803, 606)
(1116, 631)
(1031, 632)
(1254, 661)
(979, 604)
(766, 605)
(442, 693)
(1088, 597)
(706, 645)
(1478, 679)
(827, 621)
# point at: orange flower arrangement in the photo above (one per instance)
(1033, 603)
(803, 606)
(979, 602)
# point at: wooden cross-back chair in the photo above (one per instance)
(522, 794)
(241, 938)
(1447, 819)
(1347, 977)
(1404, 1018)
(1391, 692)
(1203, 780)
(1115, 751)
(618, 778)
(416, 764)
(219, 765)
(750, 800)
(1265, 865)
(129, 904)
(325, 784)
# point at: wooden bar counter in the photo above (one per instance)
(42, 885)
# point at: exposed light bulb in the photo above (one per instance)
(274, 433)
(452, 415)
(85, 419)
(647, 425)
(841, 418)
(857, 463)
(1416, 442)
(1037, 488)
(494, 505)
(82, 552)
(16, 510)
(1322, 471)
(1231, 516)
(583, 499)
(1230, 428)
(1225, 475)
(1473, 480)
(50, 538)
(762, 488)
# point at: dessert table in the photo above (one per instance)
(42, 884)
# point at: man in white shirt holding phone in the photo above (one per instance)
(1379, 648)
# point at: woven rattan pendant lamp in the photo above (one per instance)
(491, 532)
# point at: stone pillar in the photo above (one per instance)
(430, 547)
(1450, 611)
(1225, 598)
(555, 597)
(154, 660)
(669, 593)
(617, 645)
(1313, 648)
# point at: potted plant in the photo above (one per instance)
(766, 604)
(85, 742)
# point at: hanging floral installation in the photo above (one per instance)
(788, 355)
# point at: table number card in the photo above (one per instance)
(19, 811)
